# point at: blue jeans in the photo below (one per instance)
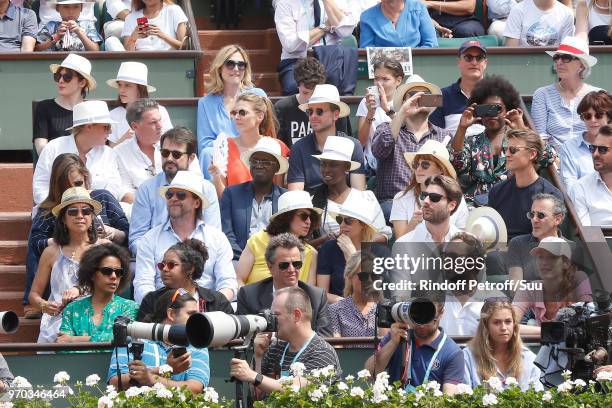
(386, 209)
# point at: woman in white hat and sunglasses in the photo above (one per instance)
(131, 84)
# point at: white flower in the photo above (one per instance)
(110, 388)
(349, 377)
(565, 387)
(210, 395)
(342, 386)
(112, 395)
(165, 368)
(379, 394)
(601, 376)
(92, 380)
(297, 369)
(328, 371)
(145, 389)
(61, 377)
(547, 396)
(418, 395)
(363, 374)
(132, 392)
(567, 374)
(105, 402)
(158, 386)
(316, 372)
(382, 376)
(511, 381)
(288, 380)
(463, 389)
(6, 404)
(323, 388)
(315, 395)
(295, 388)
(432, 385)
(357, 391)
(21, 382)
(489, 399)
(495, 384)
(579, 383)
(163, 393)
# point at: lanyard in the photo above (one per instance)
(409, 387)
(284, 373)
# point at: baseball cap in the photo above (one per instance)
(472, 44)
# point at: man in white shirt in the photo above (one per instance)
(592, 194)
(538, 23)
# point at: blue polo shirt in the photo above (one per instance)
(454, 102)
(448, 368)
(14, 25)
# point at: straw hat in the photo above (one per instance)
(436, 149)
(554, 245)
(79, 64)
(338, 148)
(412, 82)
(326, 93)
(89, 112)
(267, 145)
(294, 200)
(364, 208)
(134, 72)
(488, 226)
(189, 181)
(76, 195)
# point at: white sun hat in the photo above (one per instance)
(60, 2)
(436, 149)
(338, 148)
(89, 112)
(412, 82)
(294, 200)
(270, 146)
(326, 93)
(134, 72)
(364, 208)
(578, 48)
(189, 181)
(554, 245)
(79, 64)
(488, 226)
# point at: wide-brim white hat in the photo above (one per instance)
(294, 200)
(436, 149)
(488, 226)
(412, 82)
(326, 93)
(577, 47)
(338, 148)
(90, 112)
(554, 245)
(364, 208)
(270, 146)
(76, 195)
(61, 2)
(134, 72)
(79, 64)
(189, 181)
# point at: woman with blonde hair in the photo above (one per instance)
(165, 26)
(497, 349)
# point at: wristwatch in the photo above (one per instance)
(258, 379)
(324, 28)
(390, 112)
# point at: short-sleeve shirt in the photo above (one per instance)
(168, 20)
(331, 262)
(380, 116)
(49, 29)
(534, 27)
(14, 25)
(51, 120)
(348, 321)
(519, 255)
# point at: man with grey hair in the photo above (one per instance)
(284, 256)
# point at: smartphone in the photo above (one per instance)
(430, 101)
(142, 22)
(373, 90)
(489, 110)
(178, 351)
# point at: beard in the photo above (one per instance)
(436, 217)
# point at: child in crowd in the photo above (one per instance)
(69, 34)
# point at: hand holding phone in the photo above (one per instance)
(178, 351)
(430, 101)
(488, 110)
(143, 25)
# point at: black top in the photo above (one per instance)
(51, 120)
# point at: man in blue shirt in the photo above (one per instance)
(18, 28)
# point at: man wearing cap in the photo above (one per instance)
(178, 146)
(186, 202)
(538, 23)
(472, 63)
(246, 208)
(323, 109)
(18, 27)
(409, 130)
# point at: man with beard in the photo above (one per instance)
(246, 208)
(149, 209)
(185, 202)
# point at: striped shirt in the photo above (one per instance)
(348, 321)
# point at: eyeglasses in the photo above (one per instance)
(318, 111)
(563, 57)
(74, 211)
(347, 220)
(107, 271)
(231, 64)
(600, 149)
(67, 76)
(470, 57)
(303, 215)
(167, 264)
(589, 115)
(241, 112)
(422, 163)
(283, 266)
(260, 162)
(532, 214)
(433, 197)
(180, 195)
(78, 183)
(514, 149)
(175, 153)
(179, 292)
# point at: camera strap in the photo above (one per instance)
(410, 371)
(285, 373)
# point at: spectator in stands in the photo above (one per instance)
(297, 343)
(553, 108)
(430, 160)
(456, 16)
(186, 203)
(68, 33)
(293, 123)
(255, 118)
(592, 194)
(323, 109)
(104, 271)
(48, 12)
(18, 26)
(595, 109)
(6, 377)
(297, 216)
(91, 125)
(433, 355)
(53, 116)
(285, 259)
(397, 23)
(246, 208)
(546, 215)
(229, 76)
(593, 21)
(498, 351)
(472, 63)
(407, 132)
(178, 153)
(300, 28)
(190, 370)
(69, 171)
(497, 13)
(538, 23)
(131, 84)
(513, 197)
(375, 109)
(165, 29)
(74, 233)
(118, 10)
(561, 282)
(480, 160)
(182, 266)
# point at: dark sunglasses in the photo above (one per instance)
(285, 265)
(563, 57)
(231, 64)
(180, 195)
(589, 115)
(514, 149)
(470, 57)
(347, 220)
(303, 215)
(169, 264)
(74, 211)
(433, 197)
(78, 183)
(600, 149)
(241, 112)
(365, 276)
(261, 162)
(107, 271)
(318, 111)
(423, 163)
(532, 214)
(175, 153)
(67, 76)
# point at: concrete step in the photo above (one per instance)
(12, 300)
(15, 225)
(13, 252)
(26, 333)
(12, 277)
(16, 186)
(262, 60)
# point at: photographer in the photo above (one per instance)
(190, 369)
(297, 343)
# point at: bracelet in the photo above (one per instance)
(42, 305)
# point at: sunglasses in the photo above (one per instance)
(175, 153)
(231, 64)
(78, 183)
(347, 220)
(283, 266)
(241, 112)
(66, 76)
(433, 197)
(563, 57)
(600, 149)
(260, 162)
(180, 195)
(169, 264)
(422, 163)
(589, 115)
(514, 149)
(74, 211)
(107, 271)
(365, 276)
(303, 215)
(532, 214)
(318, 111)
(470, 57)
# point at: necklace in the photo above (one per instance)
(605, 8)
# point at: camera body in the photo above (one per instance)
(272, 322)
(120, 334)
(418, 311)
